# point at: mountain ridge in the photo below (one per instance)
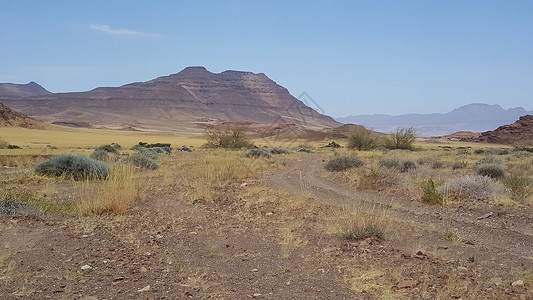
(175, 101)
(476, 117)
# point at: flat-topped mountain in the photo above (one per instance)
(11, 118)
(176, 101)
(475, 117)
(13, 90)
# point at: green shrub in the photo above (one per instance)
(402, 138)
(430, 194)
(398, 164)
(101, 155)
(479, 151)
(107, 148)
(490, 170)
(258, 152)
(78, 167)
(519, 186)
(148, 152)
(232, 138)
(13, 147)
(141, 160)
(332, 144)
(488, 160)
(185, 148)
(361, 139)
(343, 163)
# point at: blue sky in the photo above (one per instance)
(351, 57)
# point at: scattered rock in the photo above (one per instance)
(485, 216)
(518, 283)
(86, 267)
(462, 269)
(144, 289)
(256, 295)
(407, 283)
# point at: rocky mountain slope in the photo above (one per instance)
(176, 102)
(475, 117)
(11, 118)
(13, 90)
(519, 133)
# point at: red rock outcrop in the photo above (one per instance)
(11, 118)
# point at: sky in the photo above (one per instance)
(350, 57)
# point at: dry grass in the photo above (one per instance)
(118, 193)
(357, 225)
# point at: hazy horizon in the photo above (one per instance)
(352, 58)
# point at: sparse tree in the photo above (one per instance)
(361, 139)
(402, 138)
(230, 138)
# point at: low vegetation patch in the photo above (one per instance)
(115, 195)
(430, 194)
(358, 226)
(77, 167)
(490, 170)
(142, 160)
(332, 144)
(519, 187)
(398, 164)
(258, 152)
(469, 186)
(402, 138)
(343, 163)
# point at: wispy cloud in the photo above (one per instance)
(122, 32)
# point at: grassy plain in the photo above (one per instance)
(216, 224)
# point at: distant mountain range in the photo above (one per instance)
(476, 117)
(172, 103)
(12, 90)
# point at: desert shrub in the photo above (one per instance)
(430, 194)
(305, 145)
(437, 165)
(402, 138)
(490, 170)
(100, 155)
(332, 144)
(491, 160)
(378, 179)
(518, 185)
(141, 160)
(343, 163)
(147, 152)
(185, 148)
(116, 146)
(13, 147)
(306, 150)
(361, 139)
(279, 151)
(521, 153)
(14, 207)
(232, 138)
(479, 151)
(115, 195)
(258, 152)
(527, 149)
(459, 165)
(107, 148)
(78, 167)
(398, 164)
(3, 144)
(359, 226)
(469, 186)
(161, 150)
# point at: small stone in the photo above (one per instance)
(518, 283)
(255, 270)
(144, 289)
(408, 283)
(462, 269)
(255, 295)
(86, 267)
(143, 269)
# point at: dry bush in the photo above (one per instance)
(343, 163)
(471, 187)
(356, 225)
(118, 193)
(379, 178)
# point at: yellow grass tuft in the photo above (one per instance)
(118, 193)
